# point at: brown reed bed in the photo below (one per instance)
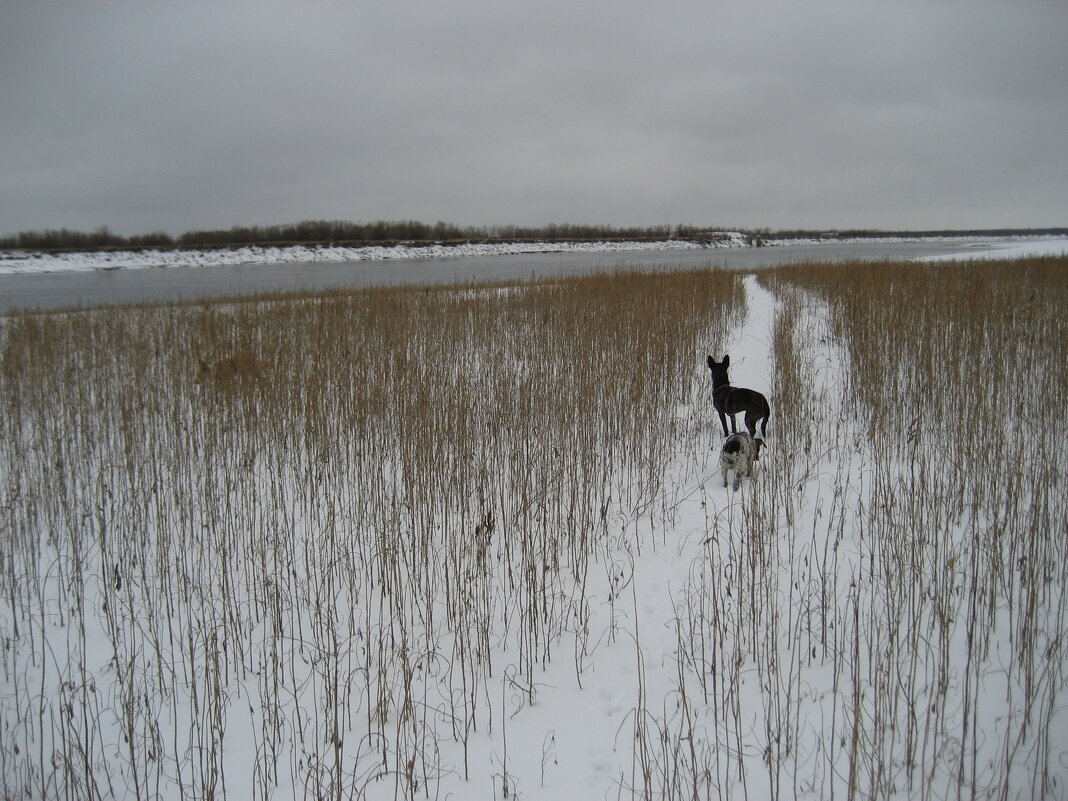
(883, 613)
(316, 525)
(303, 525)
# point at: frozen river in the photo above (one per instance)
(87, 288)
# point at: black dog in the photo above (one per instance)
(729, 401)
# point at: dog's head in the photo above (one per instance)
(719, 369)
(743, 444)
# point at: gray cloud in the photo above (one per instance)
(172, 116)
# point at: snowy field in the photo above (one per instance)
(429, 586)
(12, 262)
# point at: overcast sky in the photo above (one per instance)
(172, 116)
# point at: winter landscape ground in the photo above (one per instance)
(473, 542)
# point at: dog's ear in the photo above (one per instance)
(726, 360)
(711, 362)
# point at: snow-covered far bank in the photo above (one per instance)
(1010, 249)
(133, 259)
(20, 263)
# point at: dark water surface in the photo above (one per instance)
(48, 291)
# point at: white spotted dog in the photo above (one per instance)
(739, 453)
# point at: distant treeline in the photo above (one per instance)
(873, 233)
(325, 232)
(65, 239)
(340, 232)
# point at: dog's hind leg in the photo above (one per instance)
(751, 421)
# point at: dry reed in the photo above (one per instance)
(300, 528)
(884, 616)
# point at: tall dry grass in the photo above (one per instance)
(960, 380)
(285, 538)
(883, 615)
